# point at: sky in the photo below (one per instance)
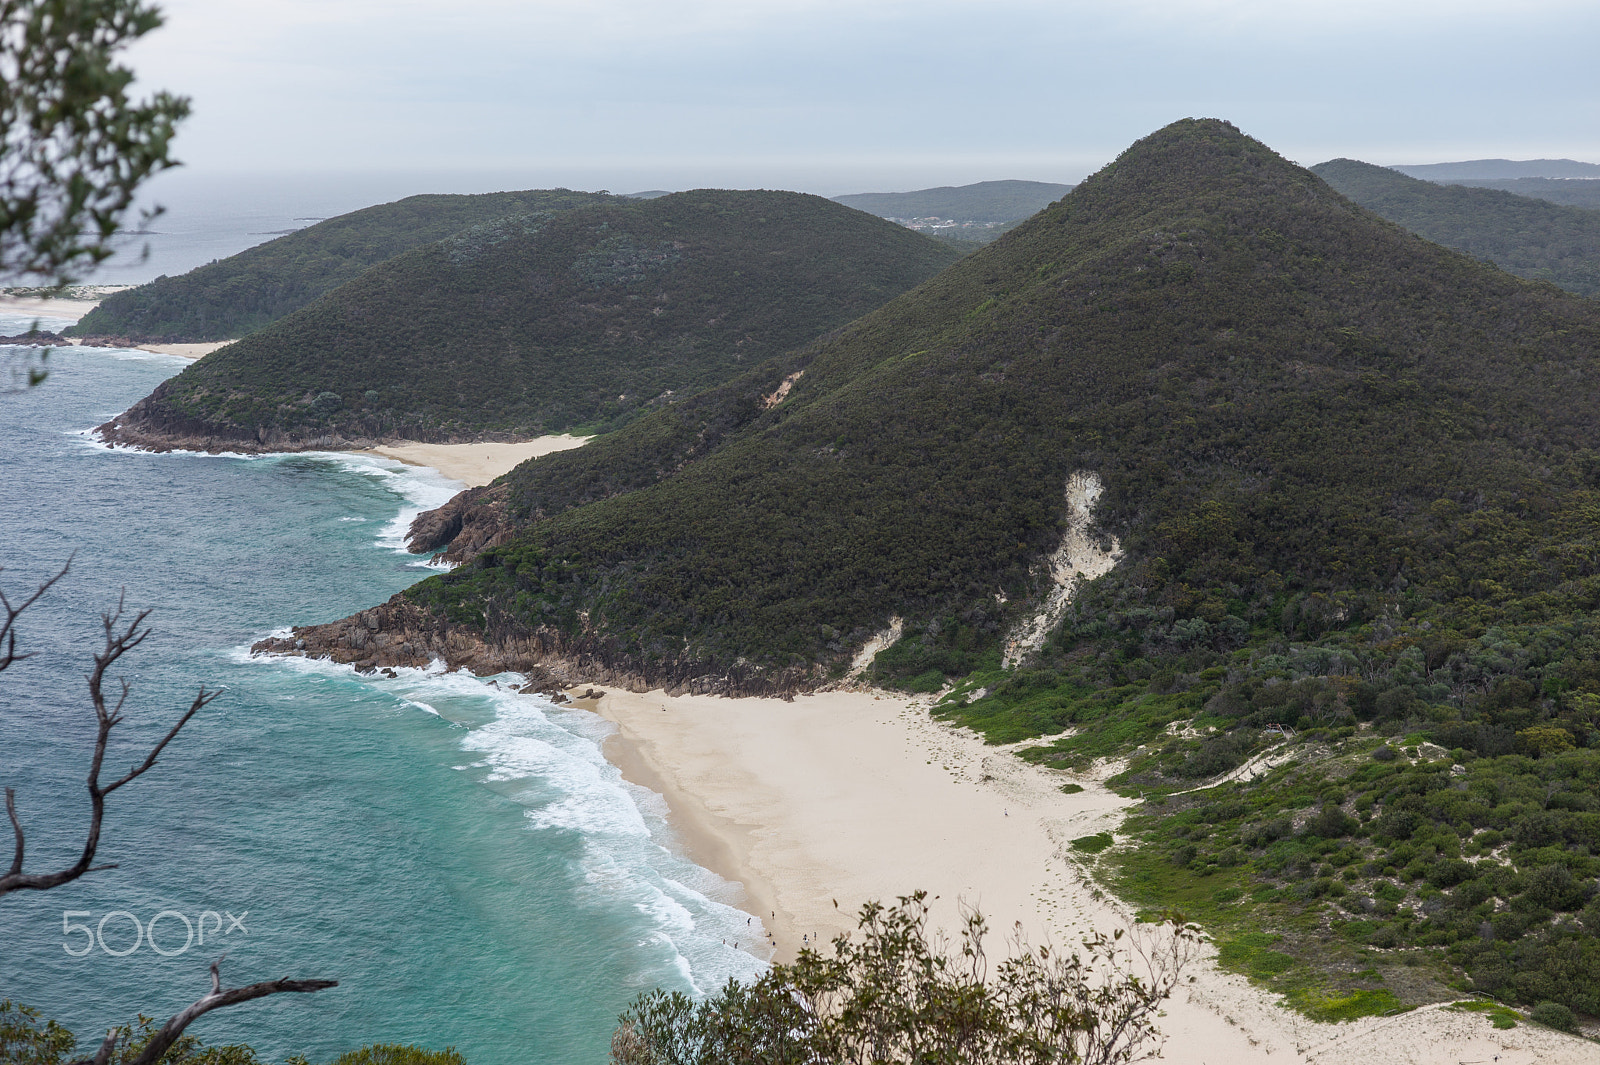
(837, 96)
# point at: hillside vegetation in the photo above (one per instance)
(1530, 238)
(226, 299)
(1500, 170)
(1573, 192)
(543, 322)
(985, 201)
(1353, 479)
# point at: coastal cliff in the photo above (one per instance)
(400, 634)
(469, 523)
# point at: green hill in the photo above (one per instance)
(226, 299)
(1473, 170)
(1530, 238)
(1352, 478)
(1572, 192)
(541, 323)
(986, 201)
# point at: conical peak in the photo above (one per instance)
(1194, 162)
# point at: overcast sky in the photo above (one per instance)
(837, 96)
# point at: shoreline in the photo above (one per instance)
(72, 309)
(855, 795)
(475, 464)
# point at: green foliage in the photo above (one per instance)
(1502, 1017)
(1553, 1015)
(226, 299)
(586, 317)
(75, 147)
(892, 996)
(1531, 238)
(25, 1039)
(1093, 844)
(1336, 1007)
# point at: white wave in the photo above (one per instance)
(548, 758)
(422, 487)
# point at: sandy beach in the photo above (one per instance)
(478, 464)
(854, 795)
(62, 307)
(73, 308)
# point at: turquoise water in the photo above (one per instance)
(460, 858)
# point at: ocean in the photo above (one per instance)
(461, 858)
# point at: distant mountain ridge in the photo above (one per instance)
(1500, 170)
(231, 297)
(541, 322)
(1569, 192)
(985, 201)
(1528, 237)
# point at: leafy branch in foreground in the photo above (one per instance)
(74, 148)
(896, 995)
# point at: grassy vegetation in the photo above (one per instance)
(546, 322)
(1391, 790)
(1531, 238)
(228, 298)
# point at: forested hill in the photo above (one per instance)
(228, 298)
(1573, 192)
(986, 201)
(1473, 170)
(1530, 238)
(543, 322)
(1275, 386)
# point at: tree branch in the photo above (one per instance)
(8, 634)
(217, 998)
(119, 640)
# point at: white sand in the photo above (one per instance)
(186, 351)
(860, 795)
(478, 464)
(73, 309)
(57, 308)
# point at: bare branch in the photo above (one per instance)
(8, 634)
(16, 829)
(217, 998)
(103, 1055)
(119, 640)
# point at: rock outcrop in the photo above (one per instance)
(401, 633)
(473, 521)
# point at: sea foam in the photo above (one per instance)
(548, 759)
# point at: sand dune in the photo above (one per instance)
(851, 796)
